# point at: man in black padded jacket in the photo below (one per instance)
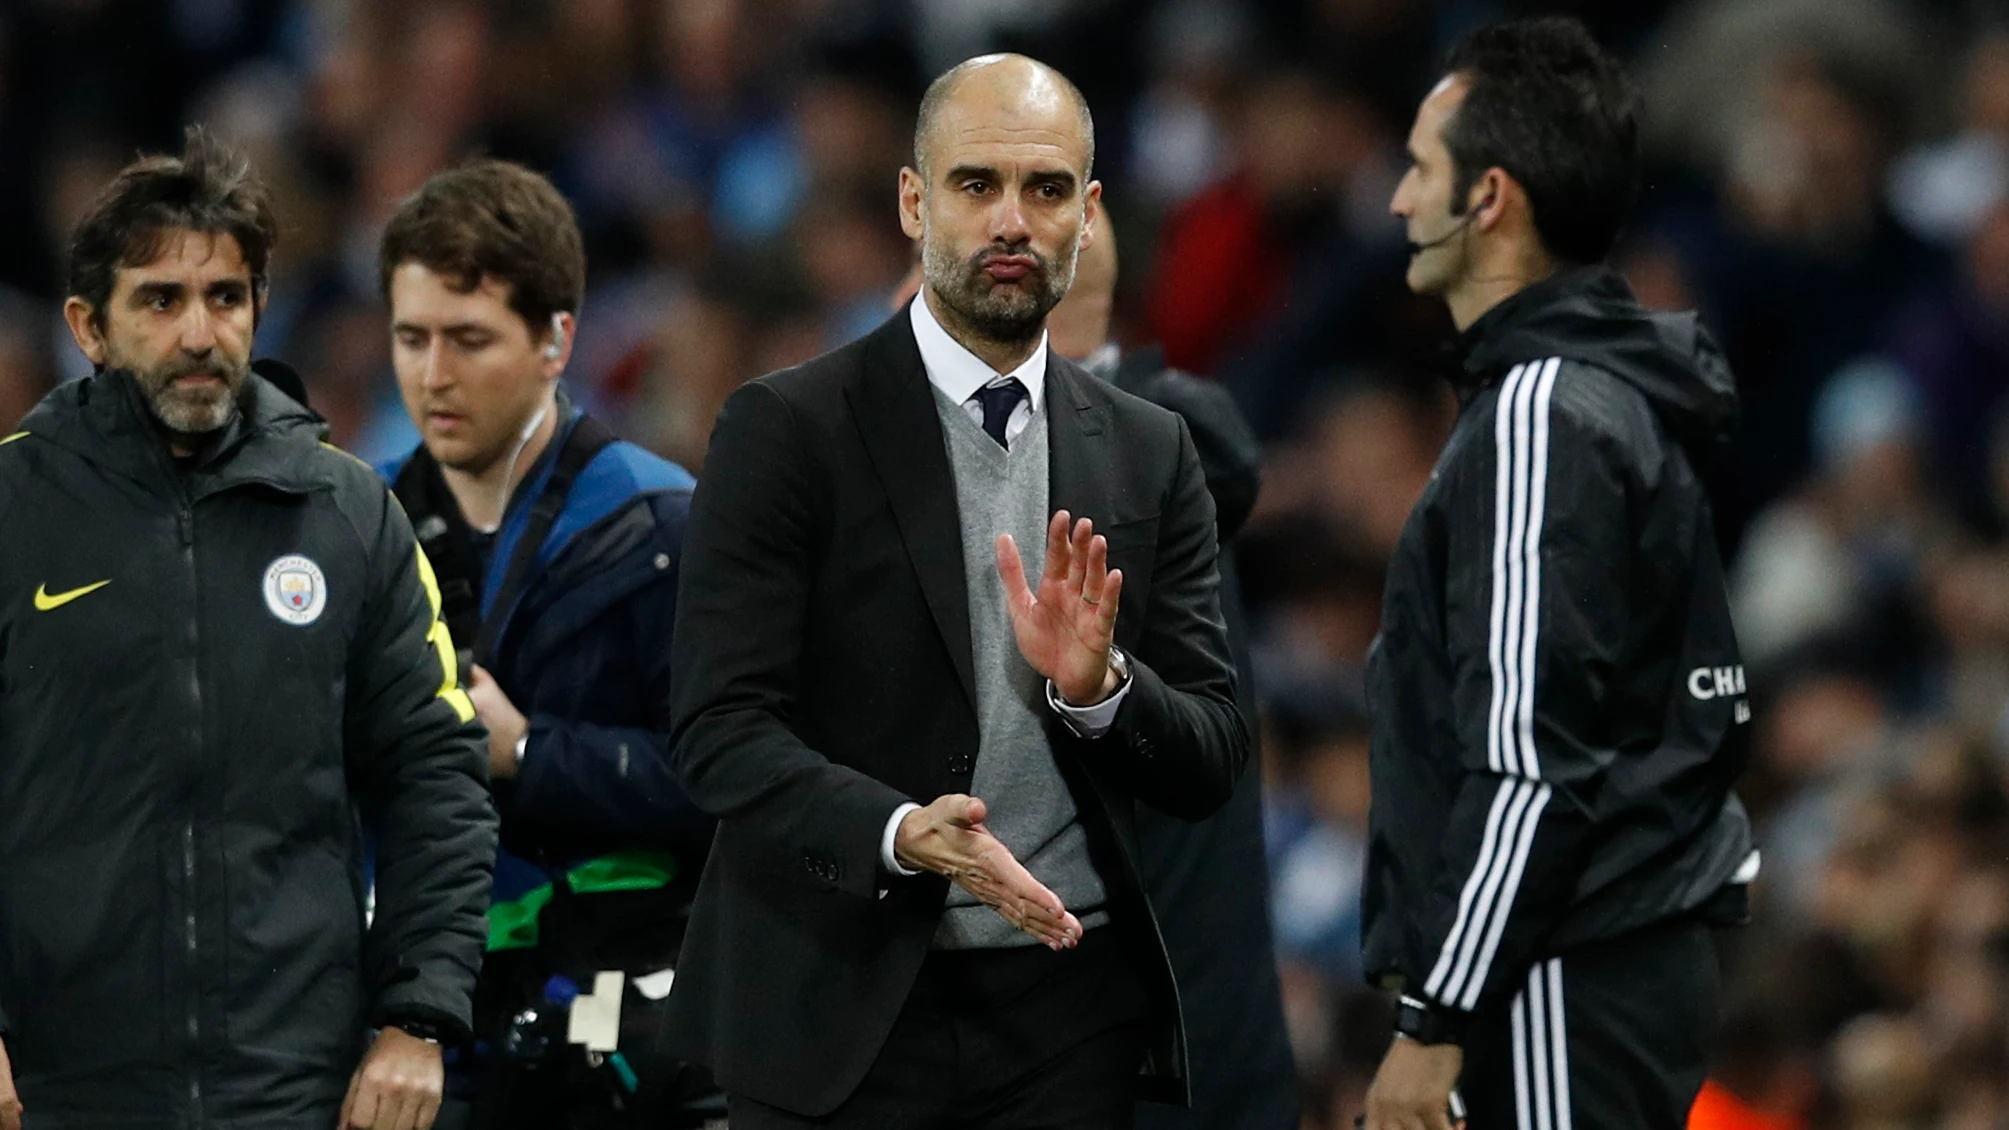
(221, 659)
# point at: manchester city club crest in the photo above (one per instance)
(295, 590)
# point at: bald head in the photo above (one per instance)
(1000, 199)
(1009, 91)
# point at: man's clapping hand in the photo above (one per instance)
(1065, 629)
(948, 837)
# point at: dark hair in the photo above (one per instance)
(492, 219)
(1544, 103)
(209, 188)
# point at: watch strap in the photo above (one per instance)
(1427, 1023)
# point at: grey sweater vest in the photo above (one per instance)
(1031, 811)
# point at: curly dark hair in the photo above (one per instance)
(492, 219)
(1548, 106)
(209, 188)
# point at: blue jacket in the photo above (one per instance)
(584, 653)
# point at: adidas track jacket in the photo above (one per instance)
(1558, 704)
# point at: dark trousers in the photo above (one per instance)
(1013, 1039)
(1608, 1035)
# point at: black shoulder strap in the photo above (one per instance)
(448, 543)
(588, 438)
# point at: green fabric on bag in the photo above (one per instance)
(512, 925)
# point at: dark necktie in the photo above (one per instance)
(998, 402)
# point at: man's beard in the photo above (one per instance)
(199, 409)
(1001, 312)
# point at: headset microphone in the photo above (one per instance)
(1418, 248)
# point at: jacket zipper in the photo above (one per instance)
(186, 520)
(194, 1017)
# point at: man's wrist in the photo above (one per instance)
(1114, 676)
(1428, 1023)
(422, 1029)
(889, 857)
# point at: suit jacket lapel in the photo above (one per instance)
(1078, 424)
(895, 409)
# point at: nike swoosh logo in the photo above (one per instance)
(44, 602)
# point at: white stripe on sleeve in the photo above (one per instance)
(1520, 484)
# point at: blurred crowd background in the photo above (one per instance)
(1829, 184)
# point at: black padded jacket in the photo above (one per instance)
(214, 675)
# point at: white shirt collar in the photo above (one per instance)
(960, 373)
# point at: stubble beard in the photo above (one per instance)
(197, 410)
(999, 312)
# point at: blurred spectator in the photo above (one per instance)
(1955, 349)
(1945, 190)
(1361, 456)
(700, 352)
(1179, 130)
(1763, 1081)
(1840, 559)
(1318, 835)
(1809, 265)
(24, 369)
(1883, 1071)
(655, 156)
(1228, 257)
(1385, 48)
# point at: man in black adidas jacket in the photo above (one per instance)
(220, 660)
(1559, 709)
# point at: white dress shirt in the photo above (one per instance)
(958, 373)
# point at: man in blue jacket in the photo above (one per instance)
(557, 549)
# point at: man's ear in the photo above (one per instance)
(78, 315)
(912, 189)
(1091, 214)
(554, 351)
(1491, 194)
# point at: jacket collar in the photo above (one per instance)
(958, 372)
(1478, 350)
(104, 419)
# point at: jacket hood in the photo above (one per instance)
(1589, 315)
(104, 419)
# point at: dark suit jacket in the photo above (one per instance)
(1210, 879)
(823, 677)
